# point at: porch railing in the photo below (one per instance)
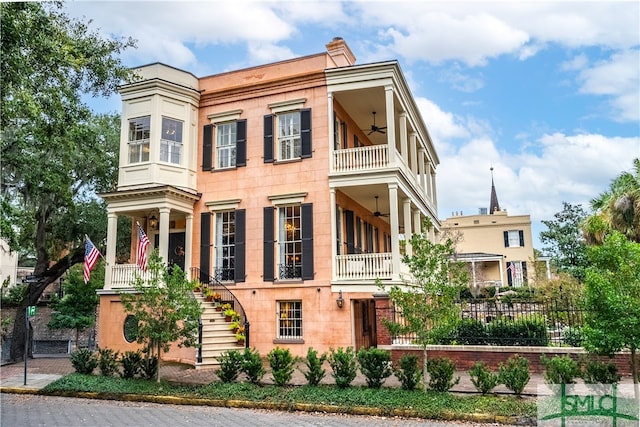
(227, 297)
(364, 266)
(122, 275)
(361, 158)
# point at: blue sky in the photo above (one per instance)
(548, 93)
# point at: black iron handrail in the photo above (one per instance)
(226, 297)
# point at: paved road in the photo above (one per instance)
(48, 411)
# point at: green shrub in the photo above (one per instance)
(315, 373)
(375, 365)
(560, 369)
(598, 372)
(150, 367)
(526, 330)
(108, 361)
(252, 365)
(131, 362)
(482, 378)
(15, 295)
(470, 332)
(344, 366)
(408, 372)
(441, 372)
(84, 361)
(514, 374)
(282, 365)
(230, 366)
(573, 336)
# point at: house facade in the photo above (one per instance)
(288, 186)
(497, 246)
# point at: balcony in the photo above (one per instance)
(360, 159)
(123, 275)
(364, 266)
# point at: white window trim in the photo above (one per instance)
(287, 106)
(223, 205)
(287, 199)
(225, 116)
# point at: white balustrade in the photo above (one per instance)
(364, 266)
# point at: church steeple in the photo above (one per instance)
(493, 204)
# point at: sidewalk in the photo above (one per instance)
(43, 370)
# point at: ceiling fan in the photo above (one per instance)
(375, 128)
(377, 212)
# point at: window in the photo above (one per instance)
(226, 145)
(289, 141)
(289, 320)
(513, 238)
(139, 131)
(130, 328)
(171, 141)
(225, 246)
(290, 242)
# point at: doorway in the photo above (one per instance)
(364, 313)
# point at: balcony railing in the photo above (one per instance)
(361, 158)
(123, 275)
(364, 266)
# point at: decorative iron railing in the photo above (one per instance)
(289, 271)
(226, 297)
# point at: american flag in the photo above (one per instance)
(91, 254)
(143, 242)
(512, 268)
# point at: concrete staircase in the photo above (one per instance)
(217, 336)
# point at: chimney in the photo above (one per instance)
(340, 52)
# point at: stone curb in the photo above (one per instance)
(289, 407)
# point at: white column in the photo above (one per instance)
(407, 225)
(332, 166)
(112, 237)
(417, 224)
(163, 248)
(404, 147)
(391, 130)
(393, 219)
(413, 143)
(188, 253)
(334, 232)
(433, 186)
(423, 174)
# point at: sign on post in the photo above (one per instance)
(31, 310)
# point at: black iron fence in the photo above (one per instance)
(507, 323)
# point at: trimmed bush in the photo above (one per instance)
(573, 336)
(482, 378)
(441, 372)
(131, 362)
(470, 332)
(560, 369)
(598, 372)
(252, 365)
(282, 365)
(514, 374)
(315, 373)
(375, 365)
(344, 366)
(84, 361)
(408, 372)
(526, 330)
(108, 361)
(230, 366)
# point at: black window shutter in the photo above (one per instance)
(345, 143)
(521, 234)
(524, 271)
(305, 132)
(267, 260)
(268, 138)
(358, 235)
(307, 241)
(506, 239)
(240, 246)
(335, 132)
(338, 231)
(348, 223)
(205, 246)
(509, 276)
(207, 147)
(241, 143)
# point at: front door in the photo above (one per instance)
(364, 323)
(176, 249)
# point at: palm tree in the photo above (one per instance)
(617, 209)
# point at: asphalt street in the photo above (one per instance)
(21, 410)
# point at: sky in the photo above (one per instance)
(545, 93)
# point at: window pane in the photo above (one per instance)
(226, 144)
(514, 238)
(139, 131)
(289, 141)
(225, 246)
(290, 319)
(290, 242)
